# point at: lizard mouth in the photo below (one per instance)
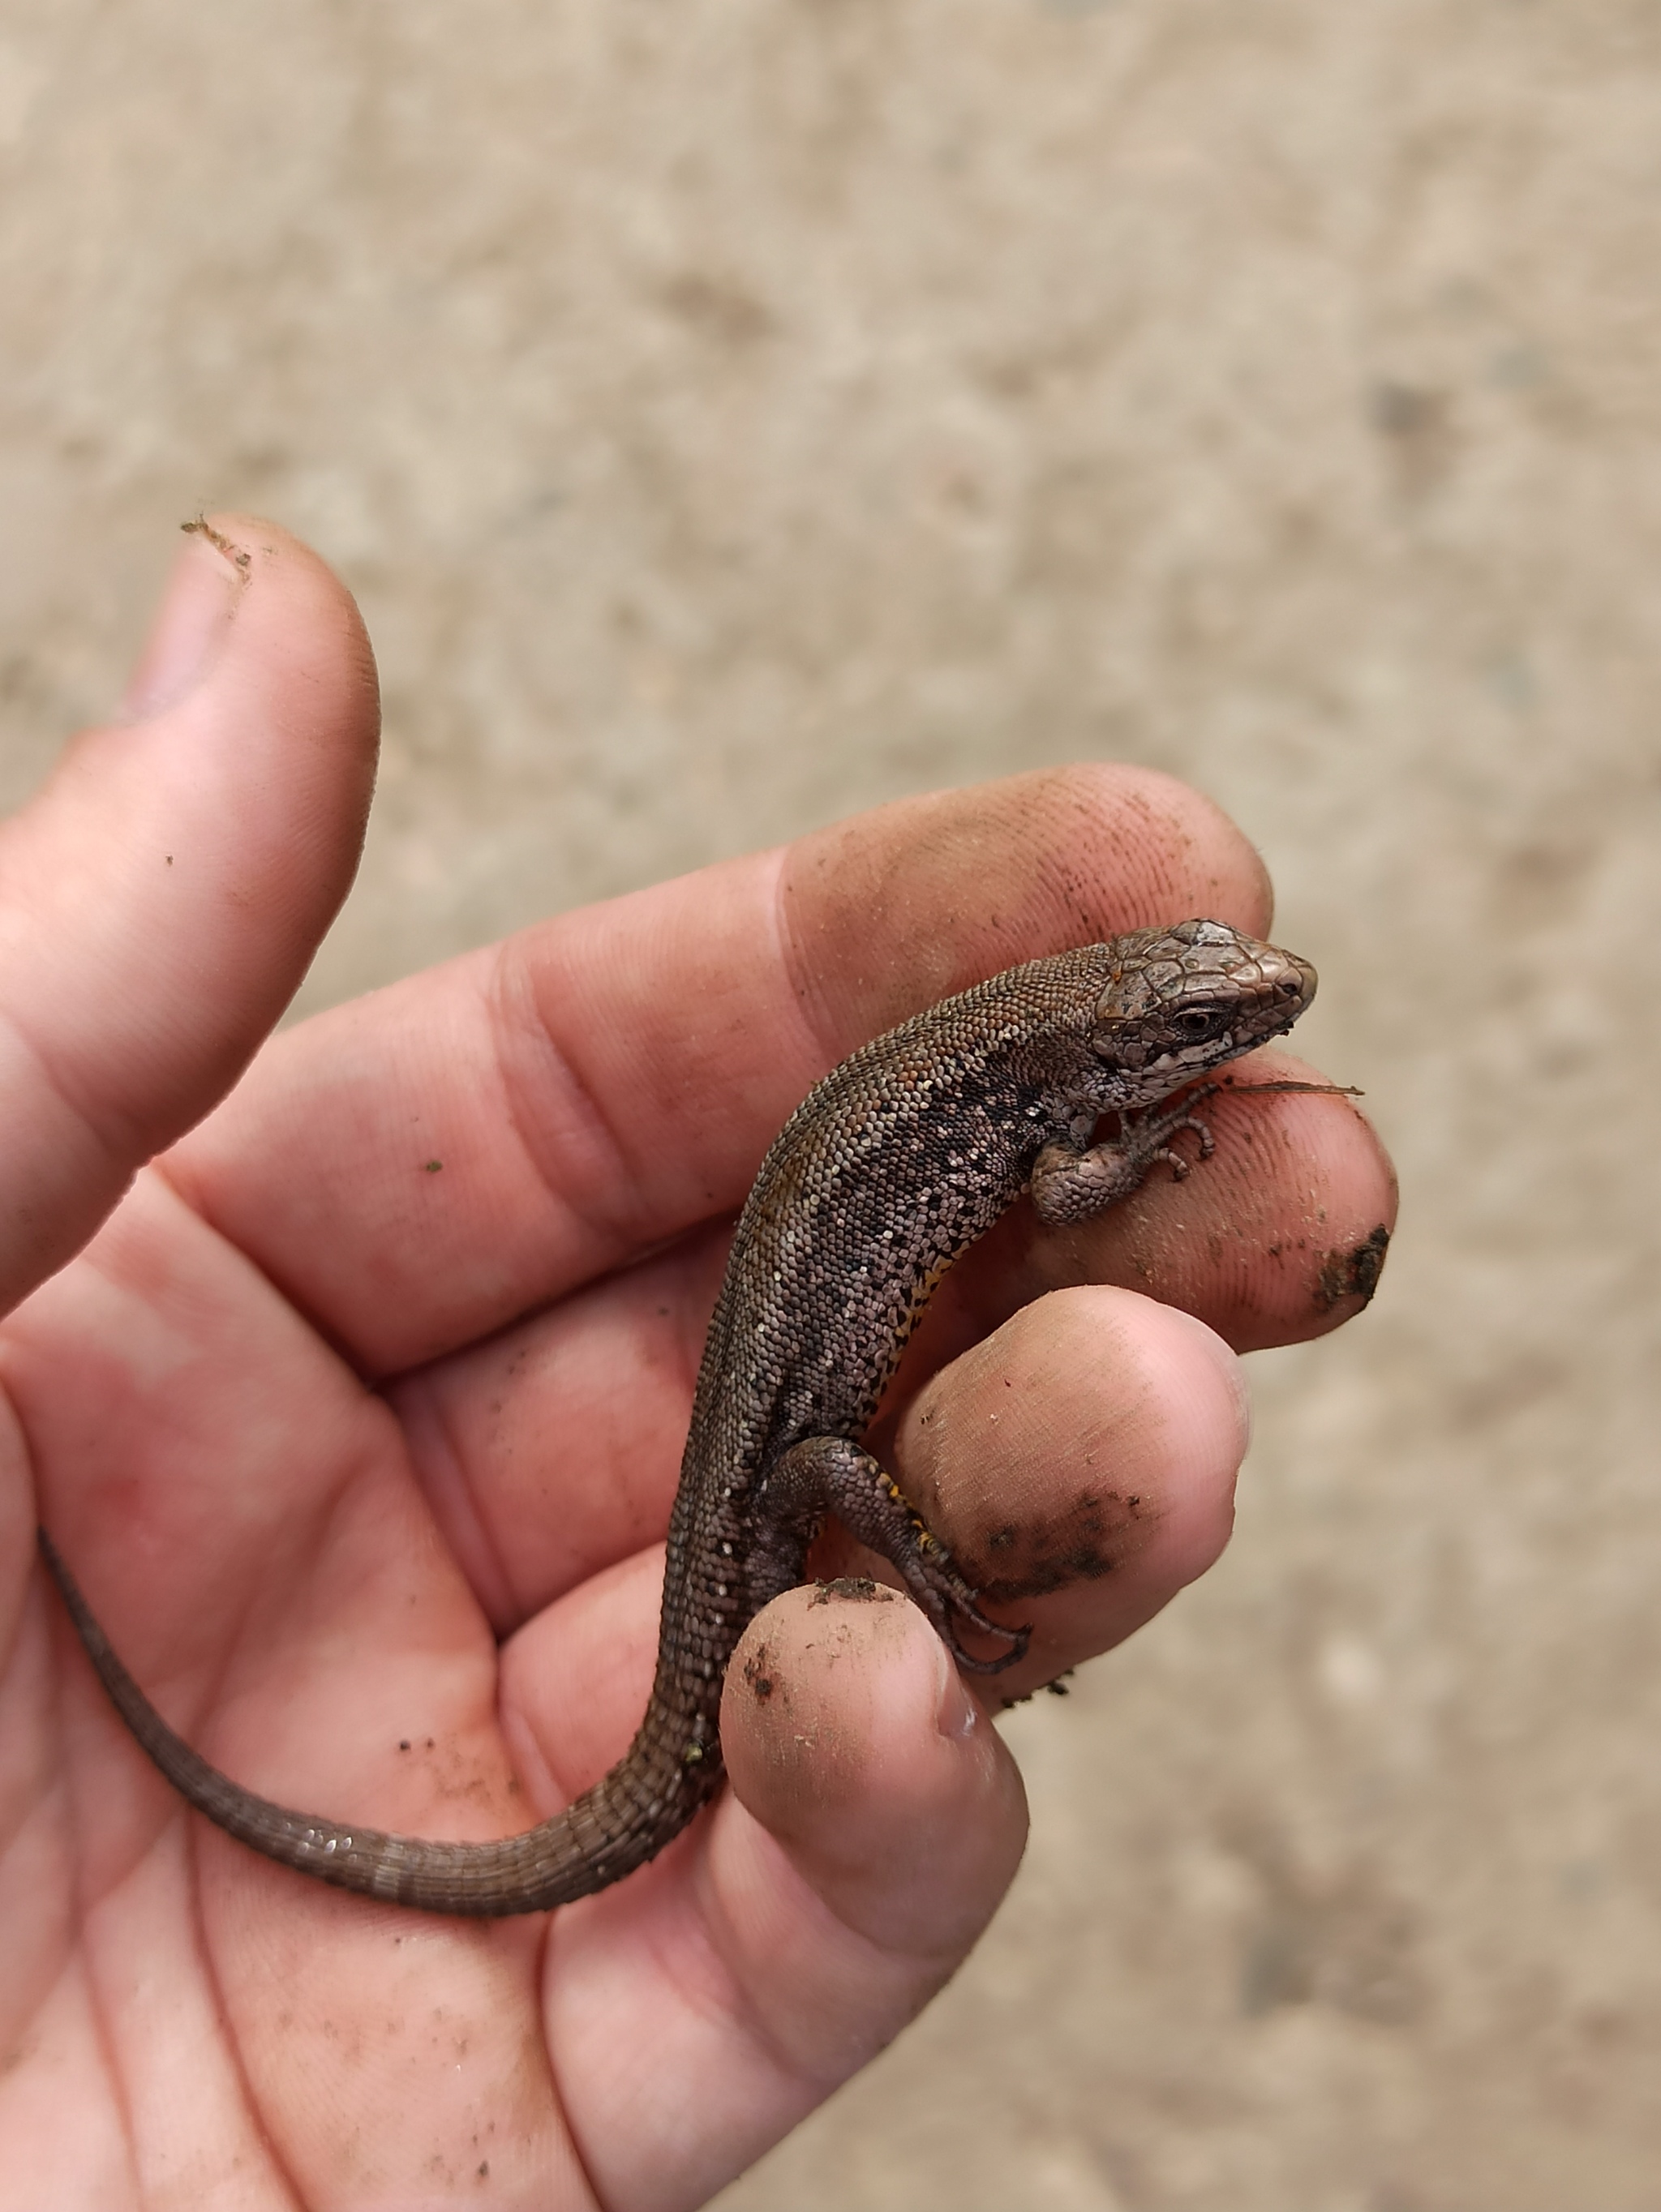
(1286, 994)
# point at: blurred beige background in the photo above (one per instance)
(730, 416)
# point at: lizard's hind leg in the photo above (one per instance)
(833, 1474)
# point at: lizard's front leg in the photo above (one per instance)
(833, 1474)
(1070, 1183)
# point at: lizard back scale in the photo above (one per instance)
(896, 1162)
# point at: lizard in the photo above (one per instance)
(896, 1162)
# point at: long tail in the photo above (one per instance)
(623, 1820)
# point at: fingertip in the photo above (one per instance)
(1284, 1236)
(299, 652)
(1347, 1167)
(213, 585)
(883, 913)
(851, 1739)
(1081, 1462)
(871, 1825)
(1199, 1383)
(298, 675)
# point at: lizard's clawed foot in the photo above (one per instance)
(835, 1475)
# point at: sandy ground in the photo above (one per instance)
(729, 416)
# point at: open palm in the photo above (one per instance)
(360, 1416)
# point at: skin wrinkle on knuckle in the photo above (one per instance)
(124, 1138)
(801, 984)
(847, 1994)
(836, 1888)
(517, 1025)
(872, 1900)
(448, 1475)
(613, 1363)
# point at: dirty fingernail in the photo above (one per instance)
(195, 614)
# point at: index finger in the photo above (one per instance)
(417, 1169)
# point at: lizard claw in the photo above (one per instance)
(1018, 1639)
(953, 1594)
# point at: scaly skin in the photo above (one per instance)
(890, 1168)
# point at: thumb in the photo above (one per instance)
(162, 897)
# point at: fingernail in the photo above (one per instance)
(956, 1711)
(187, 632)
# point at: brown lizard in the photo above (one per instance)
(893, 1164)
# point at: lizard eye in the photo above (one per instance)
(1195, 1022)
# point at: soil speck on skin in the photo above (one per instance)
(756, 1674)
(860, 1589)
(1057, 1688)
(239, 557)
(1353, 1273)
(1072, 1547)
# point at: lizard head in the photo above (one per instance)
(1181, 1001)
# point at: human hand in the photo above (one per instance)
(359, 1420)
